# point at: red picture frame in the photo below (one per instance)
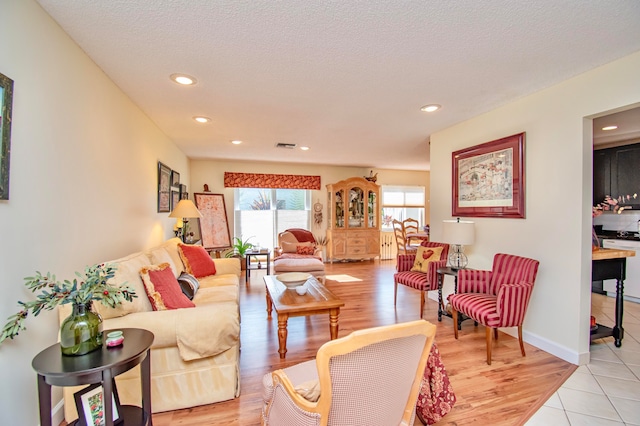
(489, 179)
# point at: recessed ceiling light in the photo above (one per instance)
(236, 142)
(430, 108)
(610, 128)
(183, 79)
(304, 148)
(201, 119)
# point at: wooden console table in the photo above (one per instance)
(609, 264)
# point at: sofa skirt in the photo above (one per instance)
(175, 384)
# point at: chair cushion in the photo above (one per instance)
(417, 280)
(288, 247)
(308, 250)
(163, 289)
(479, 306)
(188, 284)
(424, 256)
(196, 260)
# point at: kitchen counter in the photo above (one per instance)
(604, 253)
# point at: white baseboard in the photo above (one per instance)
(541, 343)
(57, 413)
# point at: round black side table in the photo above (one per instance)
(99, 366)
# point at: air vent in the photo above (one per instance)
(286, 145)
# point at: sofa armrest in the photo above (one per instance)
(228, 265)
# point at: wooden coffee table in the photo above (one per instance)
(288, 303)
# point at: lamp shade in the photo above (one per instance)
(185, 209)
(458, 232)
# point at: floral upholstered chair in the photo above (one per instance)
(298, 251)
(371, 377)
(496, 298)
(419, 270)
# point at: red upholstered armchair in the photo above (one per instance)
(496, 298)
(419, 280)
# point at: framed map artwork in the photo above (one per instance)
(488, 179)
(214, 227)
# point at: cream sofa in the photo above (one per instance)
(195, 355)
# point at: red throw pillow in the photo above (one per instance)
(305, 250)
(163, 289)
(196, 260)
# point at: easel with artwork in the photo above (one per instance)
(214, 227)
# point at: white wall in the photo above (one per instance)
(82, 185)
(557, 227)
(211, 172)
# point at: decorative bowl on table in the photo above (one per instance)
(293, 279)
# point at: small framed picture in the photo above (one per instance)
(175, 179)
(184, 195)
(89, 402)
(164, 183)
(175, 197)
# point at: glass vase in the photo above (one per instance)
(81, 332)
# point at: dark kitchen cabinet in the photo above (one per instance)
(616, 172)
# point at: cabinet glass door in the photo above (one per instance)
(372, 210)
(339, 209)
(356, 207)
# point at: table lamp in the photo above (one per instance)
(458, 233)
(183, 211)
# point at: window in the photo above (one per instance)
(402, 202)
(260, 214)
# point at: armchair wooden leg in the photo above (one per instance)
(489, 344)
(454, 316)
(421, 303)
(521, 341)
(395, 292)
(495, 333)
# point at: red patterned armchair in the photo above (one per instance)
(496, 298)
(423, 281)
(371, 377)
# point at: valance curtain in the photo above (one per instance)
(263, 180)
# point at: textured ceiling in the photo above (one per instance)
(345, 78)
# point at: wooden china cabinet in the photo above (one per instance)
(354, 220)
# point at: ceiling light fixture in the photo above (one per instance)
(610, 128)
(201, 119)
(430, 108)
(184, 79)
(236, 142)
(304, 148)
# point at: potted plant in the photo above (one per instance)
(239, 248)
(81, 332)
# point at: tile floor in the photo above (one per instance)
(607, 390)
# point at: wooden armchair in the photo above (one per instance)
(371, 377)
(496, 298)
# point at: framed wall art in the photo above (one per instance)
(175, 179)
(488, 179)
(175, 197)
(184, 195)
(214, 227)
(164, 188)
(6, 102)
(90, 405)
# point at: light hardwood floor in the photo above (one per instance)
(506, 393)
